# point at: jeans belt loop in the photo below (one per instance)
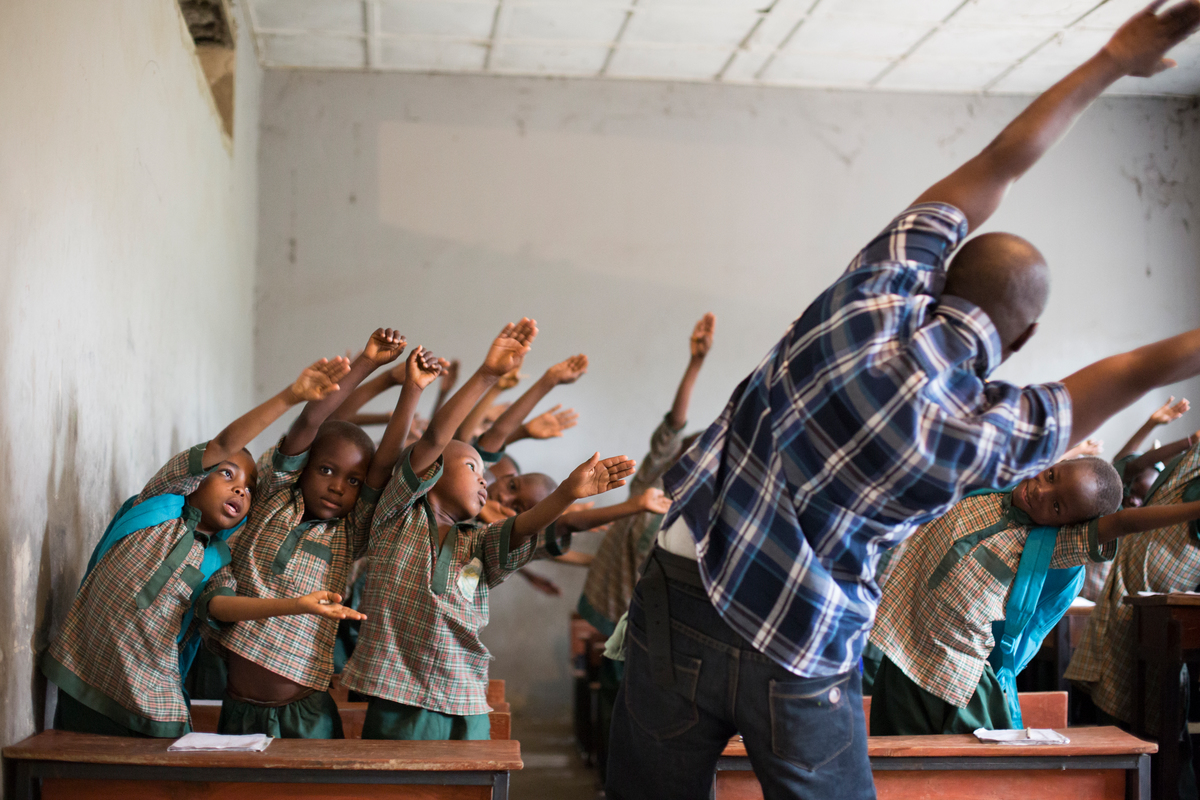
(658, 622)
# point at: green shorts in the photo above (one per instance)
(312, 717)
(899, 707)
(72, 715)
(388, 720)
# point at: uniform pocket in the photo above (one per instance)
(812, 722)
(659, 711)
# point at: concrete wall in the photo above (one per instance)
(127, 246)
(617, 213)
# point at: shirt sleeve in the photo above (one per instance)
(1034, 423)
(358, 522)
(278, 472)
(665, 445)
(405, 486)
(1079, 544)
(551, 543)
(181, 475)
(499, 561)
(918, 242)
(221, 584)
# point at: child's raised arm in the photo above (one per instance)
(384, 346)
(590, 478)
(651, 500)
(1164, 453)
(1145, 518)
(320, 604)
(420, 370)
(564, 372)
(1168, 413)
(506, 352)
(700, 344)
(466, 430)
(448, 382)
(315, 382)
(547, 425)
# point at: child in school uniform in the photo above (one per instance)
(316, 496)
(419, 658)
(954, 578)
(116, 660)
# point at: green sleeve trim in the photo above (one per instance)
(666, 423)
(96, 700)
(600, 622)
(285, 463)
(202, 606)
(195, 466)
(557, 544)
(369, 495)
(1097, 551)
(505, 539)
(489, 458)
(410, 478)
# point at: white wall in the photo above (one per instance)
(127, 245)
(617, 213)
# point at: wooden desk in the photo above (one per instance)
(1098, 764)
(72, 766)
(1167, 631)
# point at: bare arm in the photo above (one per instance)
(1146, 518)
(1100, 390)
(367, 392)
(315, 382)
(449, 380)
(1167, 413)
(1137, 48)
(700, 344)
(421, 370)
(320, 604)
(385, 345)
(476, 414)
(590, 478)
(569, 371)
(652, 500)
(382, 418)
(1167, 451)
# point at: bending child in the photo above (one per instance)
(117, 660)
(419, 658)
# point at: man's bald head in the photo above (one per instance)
(1007, 277)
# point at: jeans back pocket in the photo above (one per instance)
(812, 722)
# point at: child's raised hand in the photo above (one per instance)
(384, 346)
(594, 476)
(508, 350)
(568, 371)
(1170, 413)
(551, 424)
(509, 379)
(449, 374)
(702, 335)
(654, 501)
(326, 604)
(421, 368)
(320, 379)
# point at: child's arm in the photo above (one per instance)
(1091, 447)
(384, 346)
(1137, 48)
(547, 425)
(701, 343)
(1145, 518)
(315, 382)
(466, 431)
(1164, 453)
(1168, 413)
(651, 500)
(449, 380)
(590, 478)
(569, 371)
(420, 370)
(506, 352)
(320, 604)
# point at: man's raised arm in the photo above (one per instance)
(1137, 48)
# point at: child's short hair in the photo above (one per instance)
(1109, 491)
(341, 429)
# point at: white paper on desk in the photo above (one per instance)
(1082, 602)
(1027, 736)
(250, 743)
(1156, 594)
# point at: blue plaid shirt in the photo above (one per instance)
(870, 417)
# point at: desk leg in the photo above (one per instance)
(500, 786)
(1137, 780)
(1166, 777)
(1139, 678)
(24, 789)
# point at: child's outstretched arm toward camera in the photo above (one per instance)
(509, 423)
(421, 369)
(227, 608)
(592, 477)
(505, 354)
(1168, 413)
(651, 501)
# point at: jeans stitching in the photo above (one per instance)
(841, 707)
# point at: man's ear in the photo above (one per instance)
(1023, 338)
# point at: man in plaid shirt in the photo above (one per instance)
(871, 416)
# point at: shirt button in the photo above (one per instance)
(835, 694)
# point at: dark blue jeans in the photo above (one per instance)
(806, 737)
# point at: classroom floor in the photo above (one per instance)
(553, 769)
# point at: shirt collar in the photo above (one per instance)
(978, 325)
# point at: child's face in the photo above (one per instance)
(518, 492)
(1063, 494)
(462, 489)
(223, 498)
(1140, 487)
(332, 477)
(503, 468)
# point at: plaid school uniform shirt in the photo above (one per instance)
(871, 416)
(117, 651)
(1164, 560)
(279, 554)
(426, 604)
(614, 570)
(952, 580)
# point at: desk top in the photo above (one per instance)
(1173, 599)
(1084, 742)
(324, 754)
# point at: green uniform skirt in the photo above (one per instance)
(899, 707)
(388, 720)
(312, 717)
(72, 715)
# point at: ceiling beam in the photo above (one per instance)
(371, 27)
(744, 43)
(616, 40)
(987, 87)
(499, 28)
(787, 38)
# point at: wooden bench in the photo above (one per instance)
(1098, 764)
(1038, 709)
(206, 714)
(73, 766)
